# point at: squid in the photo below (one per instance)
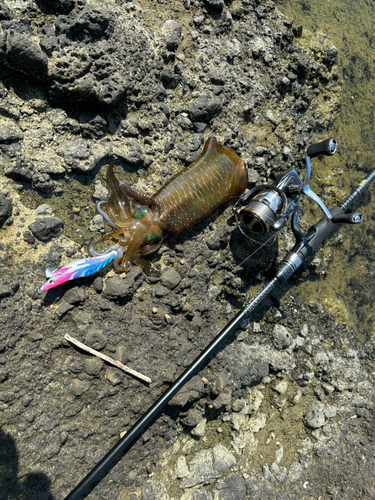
(217, 175)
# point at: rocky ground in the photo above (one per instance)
(286, 409)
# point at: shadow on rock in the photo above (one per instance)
(35, 486)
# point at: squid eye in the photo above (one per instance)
(51, 282)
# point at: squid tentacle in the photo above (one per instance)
(105, 216)
(135, 195)
(93, 253)
(119, 200)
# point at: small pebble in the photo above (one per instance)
(154, 310)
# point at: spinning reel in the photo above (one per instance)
(265, 209)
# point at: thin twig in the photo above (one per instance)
(107, 358)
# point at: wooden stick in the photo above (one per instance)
(107, 358)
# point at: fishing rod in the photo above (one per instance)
(260, 211)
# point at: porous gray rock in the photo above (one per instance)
(200, 494)
(97, 224)
(317, 414)
(207, 465)
(78, 155)
(200, 429)
(43, 209)
(231, 488)
(131, 151)
(10, 132)
(281, 337)
(111, 92)
(171, 32)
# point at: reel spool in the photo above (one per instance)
(265, 209)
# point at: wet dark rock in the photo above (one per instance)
(170, 278)
(190, 392)
(94, 125)
(171, 32)
(219, 239)
(5, 291)
(98, 284)
(63, 308)
(330, 54)
(20, 170)
(192, 418)
(116, 287)
(5, 13)
(23, 54)
(169, 78)
(56, 6)
(93, 366)
(5, 208)
(75, 295)
(10, 132)
(215, 4)
(42, 183)
(205, 107)
(106, 73)
(28, 237)
(3, 48)
(45, 229)
(96, 340)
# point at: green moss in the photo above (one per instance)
(348, 288)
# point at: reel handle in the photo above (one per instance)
(324, 148)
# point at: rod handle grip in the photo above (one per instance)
(324, 148)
